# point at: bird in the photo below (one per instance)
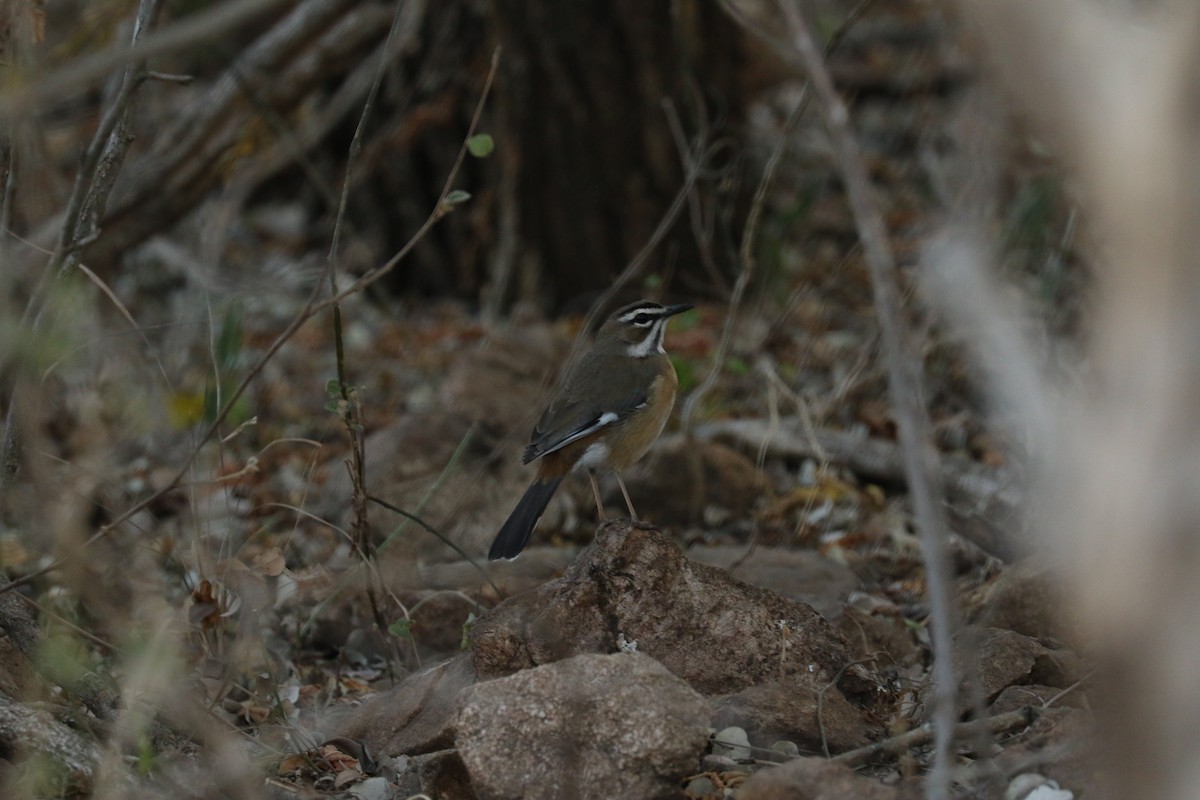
(606, 412)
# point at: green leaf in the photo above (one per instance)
(685, 370)
(686, 321)
(457, 196)
(146, 756)
(333, 387)
(241, 411)
(401, 628)
(468, 624)
(738, 366)
(481, 145)
(230, 338)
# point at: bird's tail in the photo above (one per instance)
(517, 528)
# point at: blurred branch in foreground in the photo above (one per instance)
(1112, 88)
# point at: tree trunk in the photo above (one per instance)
(586, 145)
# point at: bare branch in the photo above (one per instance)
(29, 96)
(103, 157)
(281, 66)
(919, 737)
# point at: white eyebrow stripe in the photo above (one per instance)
(630, 315)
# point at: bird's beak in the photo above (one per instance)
(678, 309)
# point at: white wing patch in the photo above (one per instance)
(605, 419)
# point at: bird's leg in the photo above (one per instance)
(633, 517)
(596, 494)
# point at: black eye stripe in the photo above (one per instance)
(641, 316)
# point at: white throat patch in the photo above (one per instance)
(653, 343)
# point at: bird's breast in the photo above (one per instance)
(639, 431)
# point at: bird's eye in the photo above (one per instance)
(642, 319)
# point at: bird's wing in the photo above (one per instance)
(564, 423)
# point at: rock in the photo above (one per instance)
(1058, 743)
(371, 789)
(440, 774)
(812, 779)
(632, 588)
(592, 726)
(416, 716)
(1032, 786)
(682, 477)
(800, 575)
(438, 619)
(1025, 597)
(1004, 658)
(873, 634)
(788, 709)
(786, 750)
(732, 742)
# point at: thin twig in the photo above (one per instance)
(1073, 687)
(350, 406)
(919, 737)
(308, 515)
(368, 106)
(431, 492)
(833, 682)
(124, 312)
(700, 234)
